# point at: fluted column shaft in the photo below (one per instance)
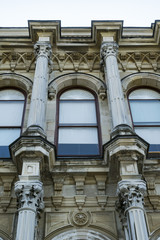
(30, 203)
(37, 113)
(116, 98)
(131, 193)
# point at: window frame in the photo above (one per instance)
(23, 112)
(143, 125)
(99, 136)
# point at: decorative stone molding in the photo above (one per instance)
(108, 49)
(5, 199)
(131, 206)
(102, 93)
(30, 205)
(33, 147)
(80, 218)
(131, 193)
(101, 184)
(43, 49)
(15, 80)
(57, 202)
(102, 201)
(80, 201)
(79, 80)
(86, 61)
(29, 195)
(51, 93)
(58, 182)
(79, 181)
(122, 152)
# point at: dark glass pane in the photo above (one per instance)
(4, 152)
(154, 148)
(78, 149)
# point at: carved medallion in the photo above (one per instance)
(80, 218)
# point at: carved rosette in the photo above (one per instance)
(43, 49)
(131, 194)
(108, 49)
(29, 195)
(80, 218)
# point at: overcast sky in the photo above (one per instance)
(16, 13)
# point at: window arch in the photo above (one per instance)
(145, 110)
(12, 110)
(78, 128)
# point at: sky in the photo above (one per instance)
(79, 13)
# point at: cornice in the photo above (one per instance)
(81, 36)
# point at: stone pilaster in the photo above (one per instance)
(131, 202)
(37, 113)
(30, 204)
(115, 93)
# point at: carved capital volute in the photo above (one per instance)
(29, 195)
(131, 194)
(43, 49)
(108, 49)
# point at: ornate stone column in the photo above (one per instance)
(115, 93)
(30, 203)
(37, 113)
(131, 203)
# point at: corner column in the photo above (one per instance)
(131, 200)
(37, 113)
(116, 99)
(30, 203)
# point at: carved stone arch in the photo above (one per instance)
(81, 234)
(155, 235)
(77, 79)
(140, 80)
(15, 80)
(4, 235)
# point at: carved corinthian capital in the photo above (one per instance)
(43, 49)
(29, 195)
(108, 49)
(131, 193)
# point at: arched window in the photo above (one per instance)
(145, 109)
(11, 109)
(77, 124)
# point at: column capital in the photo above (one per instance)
(43, 49)
(29, 195)
(108, 49)
(131, 193)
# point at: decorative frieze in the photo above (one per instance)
(83, 61)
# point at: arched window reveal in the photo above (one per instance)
(11, 108)
(77, 128)
(145, 109)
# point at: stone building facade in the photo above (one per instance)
(79, 132)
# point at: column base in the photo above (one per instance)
(122, 129)
(34, 130)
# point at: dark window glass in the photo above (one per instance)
(78, 128)
(145, 109)
(11, 109)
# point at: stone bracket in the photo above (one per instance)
(80, 201)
